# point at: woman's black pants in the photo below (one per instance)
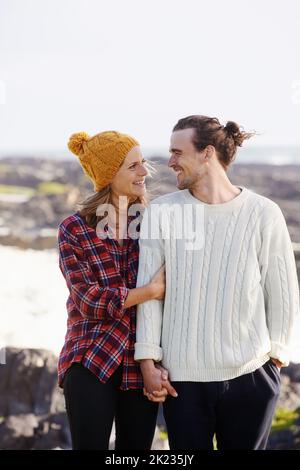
(92, 407)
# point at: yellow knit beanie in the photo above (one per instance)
(101, 155)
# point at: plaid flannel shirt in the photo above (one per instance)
(99, 273)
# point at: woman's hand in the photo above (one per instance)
(158, 283)
(156, 383)
(157, 397)
(165, 382)
(153, 290)
(151, 376)
(153, 389)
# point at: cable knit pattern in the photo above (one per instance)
(231, 303)
(239, 282)
(174, 282)
(186, 308)
(203, 291)
(222, 279)
(282, 268)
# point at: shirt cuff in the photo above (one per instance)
(281, 352)
(147, 351)
(115, 306)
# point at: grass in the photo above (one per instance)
(163, 435)
(284, 419)
(10, 189)
(4, 167)
(46, 188)
(51, 187)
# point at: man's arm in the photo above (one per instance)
(281, 288)
(149, 313)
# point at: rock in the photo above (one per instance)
(292, 372)
(32, 407)
(31, 404)
(287, 439)
(289, 399)
(46, 209)
(18, 431)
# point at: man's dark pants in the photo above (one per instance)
(238, 411)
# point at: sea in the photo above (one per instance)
(272, 155)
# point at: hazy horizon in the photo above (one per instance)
(265, 154)
(138, 67)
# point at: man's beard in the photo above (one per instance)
(186, 183)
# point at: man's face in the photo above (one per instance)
(186, 160)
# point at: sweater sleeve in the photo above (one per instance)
(149, 313)
(280, 286)
(90, 298)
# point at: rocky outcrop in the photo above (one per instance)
(25, 216)
(290, 387)
(286, 439)
(32, 407)
(289, 400)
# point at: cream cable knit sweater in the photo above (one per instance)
(230, 304)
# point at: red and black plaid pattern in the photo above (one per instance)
(99, 273)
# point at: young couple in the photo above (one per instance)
(204, 329)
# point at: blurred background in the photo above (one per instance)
(137, 67)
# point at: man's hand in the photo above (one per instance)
(276, 362)
(165, 381)
(156, 383)
(152, 382)
(159, 397)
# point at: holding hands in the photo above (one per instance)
(156, 383)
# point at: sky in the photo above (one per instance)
(138, 66)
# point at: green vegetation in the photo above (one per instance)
(284, 419)
(163, 435)
(10, 189)
(51, 187)
(46, 188)
(4, 167)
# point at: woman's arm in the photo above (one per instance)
(154, 290)
(91, 299)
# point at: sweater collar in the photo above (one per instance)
(228, 206)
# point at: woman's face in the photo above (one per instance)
(130, 179)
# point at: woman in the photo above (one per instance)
(96, 369)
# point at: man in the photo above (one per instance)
(224, 329)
